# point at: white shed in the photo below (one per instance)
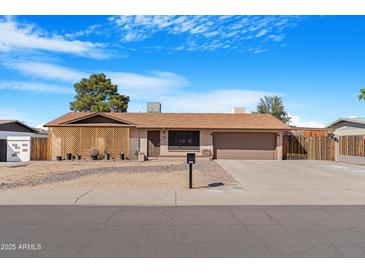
(18, 149)
(15, 140)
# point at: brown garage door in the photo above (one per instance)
(248, 146)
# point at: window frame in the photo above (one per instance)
(176, 146)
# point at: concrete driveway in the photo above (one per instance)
(299, 182)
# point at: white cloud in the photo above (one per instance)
(141, 86)
(257, 50)
(219, 101)
(47, 71)
(262, 33)
(206, 32)
(33, 87)
(10, 114)
(135, 85)
(297, 121)
(167, 87)
(17, 36)
(92, 29)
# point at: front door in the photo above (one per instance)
(153, 143)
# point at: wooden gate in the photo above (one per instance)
(308, 148)
(352, 145)
(38, 149)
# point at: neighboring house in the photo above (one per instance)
(348, 126)
(221, 136)
(15, 140)
(17, 128)
(350, 133)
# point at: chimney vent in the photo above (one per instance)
(154, 107)
(239, 110)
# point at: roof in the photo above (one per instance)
(351, 120)
(34, 130)
(7, 121)
(177, 120)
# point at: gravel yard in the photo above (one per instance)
(128, 175)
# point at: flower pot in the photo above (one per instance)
(121, 156)
(78, 157)
(106, 156)
(94, 157)
(69, 156)
(59, 158)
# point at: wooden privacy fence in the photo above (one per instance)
(308, 148)
(352, 145)
(38, 149)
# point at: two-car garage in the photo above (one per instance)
(246, 146)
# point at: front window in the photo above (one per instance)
(184, 140)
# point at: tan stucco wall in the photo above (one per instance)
(143, 140)
(279, 146)
(206, 142)
(348, 131)
(133, 143)
(348, 128)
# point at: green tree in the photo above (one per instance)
(362, 94)
(98, 94)
(273, 105)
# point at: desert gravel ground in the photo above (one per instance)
(128, 175)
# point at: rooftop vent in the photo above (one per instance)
(154, 107)
(239, 110)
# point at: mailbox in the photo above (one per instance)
(190, 158)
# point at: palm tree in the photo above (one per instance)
(362, 94)
(273, 105)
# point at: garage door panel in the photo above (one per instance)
(249, 146)
(246, 154)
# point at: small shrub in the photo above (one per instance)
(93, 152)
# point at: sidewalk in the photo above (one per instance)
(193, 197)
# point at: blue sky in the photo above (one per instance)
(189, 63)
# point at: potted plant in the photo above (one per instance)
(121, 156)
(94, 153)
(78, 157)
(106, 156)
(59, 158)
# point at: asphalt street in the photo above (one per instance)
(205, 231)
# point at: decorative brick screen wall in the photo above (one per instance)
(80, 140)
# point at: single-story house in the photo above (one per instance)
(221, 136)
(348, 126)
(15, 140)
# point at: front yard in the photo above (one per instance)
(125, 175)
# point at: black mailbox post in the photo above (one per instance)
(190, 160)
